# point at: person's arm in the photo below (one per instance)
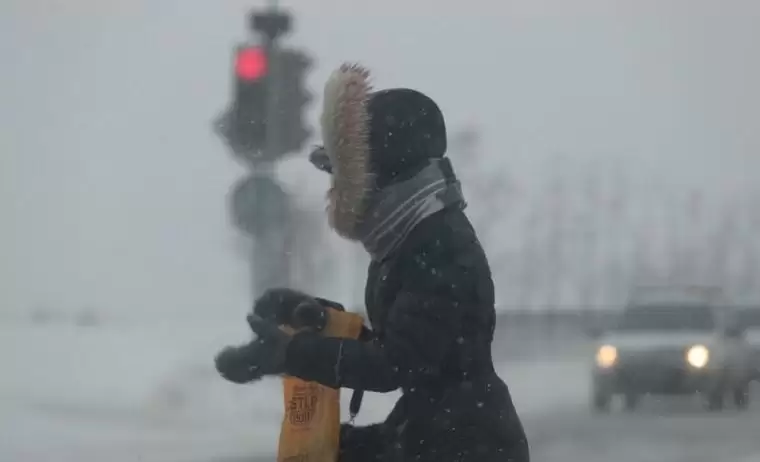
(423, 323)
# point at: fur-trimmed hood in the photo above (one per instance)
(345, 132)
(372, 139)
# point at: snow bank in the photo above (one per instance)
(109, 392)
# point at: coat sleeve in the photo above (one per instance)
(423, 324)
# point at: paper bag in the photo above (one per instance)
(311, 426)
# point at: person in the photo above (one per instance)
(429, 293)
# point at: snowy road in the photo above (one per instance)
(673, 431)
(150, 395)
(669, 431)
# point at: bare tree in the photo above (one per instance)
(588, 224)
(750, 272)
(555, 269)
(721, 246)
(528, 279)
(485, 186)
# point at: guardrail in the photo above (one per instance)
(546, 334)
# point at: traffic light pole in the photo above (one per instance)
(264, 124)
(270, 259)
(272, 126)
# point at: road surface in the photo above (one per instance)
(672, 431)
(151, 396)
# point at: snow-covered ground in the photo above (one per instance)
(134, 392)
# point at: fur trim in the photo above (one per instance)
(345, 124)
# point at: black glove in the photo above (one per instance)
(293, 308)
(234, 363)
(320, 159)
(261, 357)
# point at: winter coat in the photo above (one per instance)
(431, 308)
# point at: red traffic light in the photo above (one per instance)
(251, 63)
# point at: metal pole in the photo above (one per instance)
(270, 259)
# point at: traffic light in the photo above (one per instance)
(249, 112)
(292, 100)
(259, 204)
(258, 77)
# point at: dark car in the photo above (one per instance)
(671, 349)
(749, 320)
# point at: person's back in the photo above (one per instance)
(465, 407)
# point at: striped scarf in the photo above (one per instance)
(394, 211)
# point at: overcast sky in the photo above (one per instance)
(112, 186)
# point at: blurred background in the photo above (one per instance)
(602, 145)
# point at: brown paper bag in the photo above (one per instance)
(311, 426)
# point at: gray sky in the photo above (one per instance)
(112, 186)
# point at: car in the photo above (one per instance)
(749, 319)
(671, 348)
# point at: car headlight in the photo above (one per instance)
(606, 356)
(698, 356)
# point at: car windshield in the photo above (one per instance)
(749, 317)
(667, 317)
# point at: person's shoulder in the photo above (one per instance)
(443, 257)
(448, 232)
(444, 239)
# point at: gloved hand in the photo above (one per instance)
(263, 356)
(320, 159)
(235, 365)
(293, 308)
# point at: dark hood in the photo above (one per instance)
(371, 140)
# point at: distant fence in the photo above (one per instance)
(547, 334)
(519, 334)
(567, 318)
